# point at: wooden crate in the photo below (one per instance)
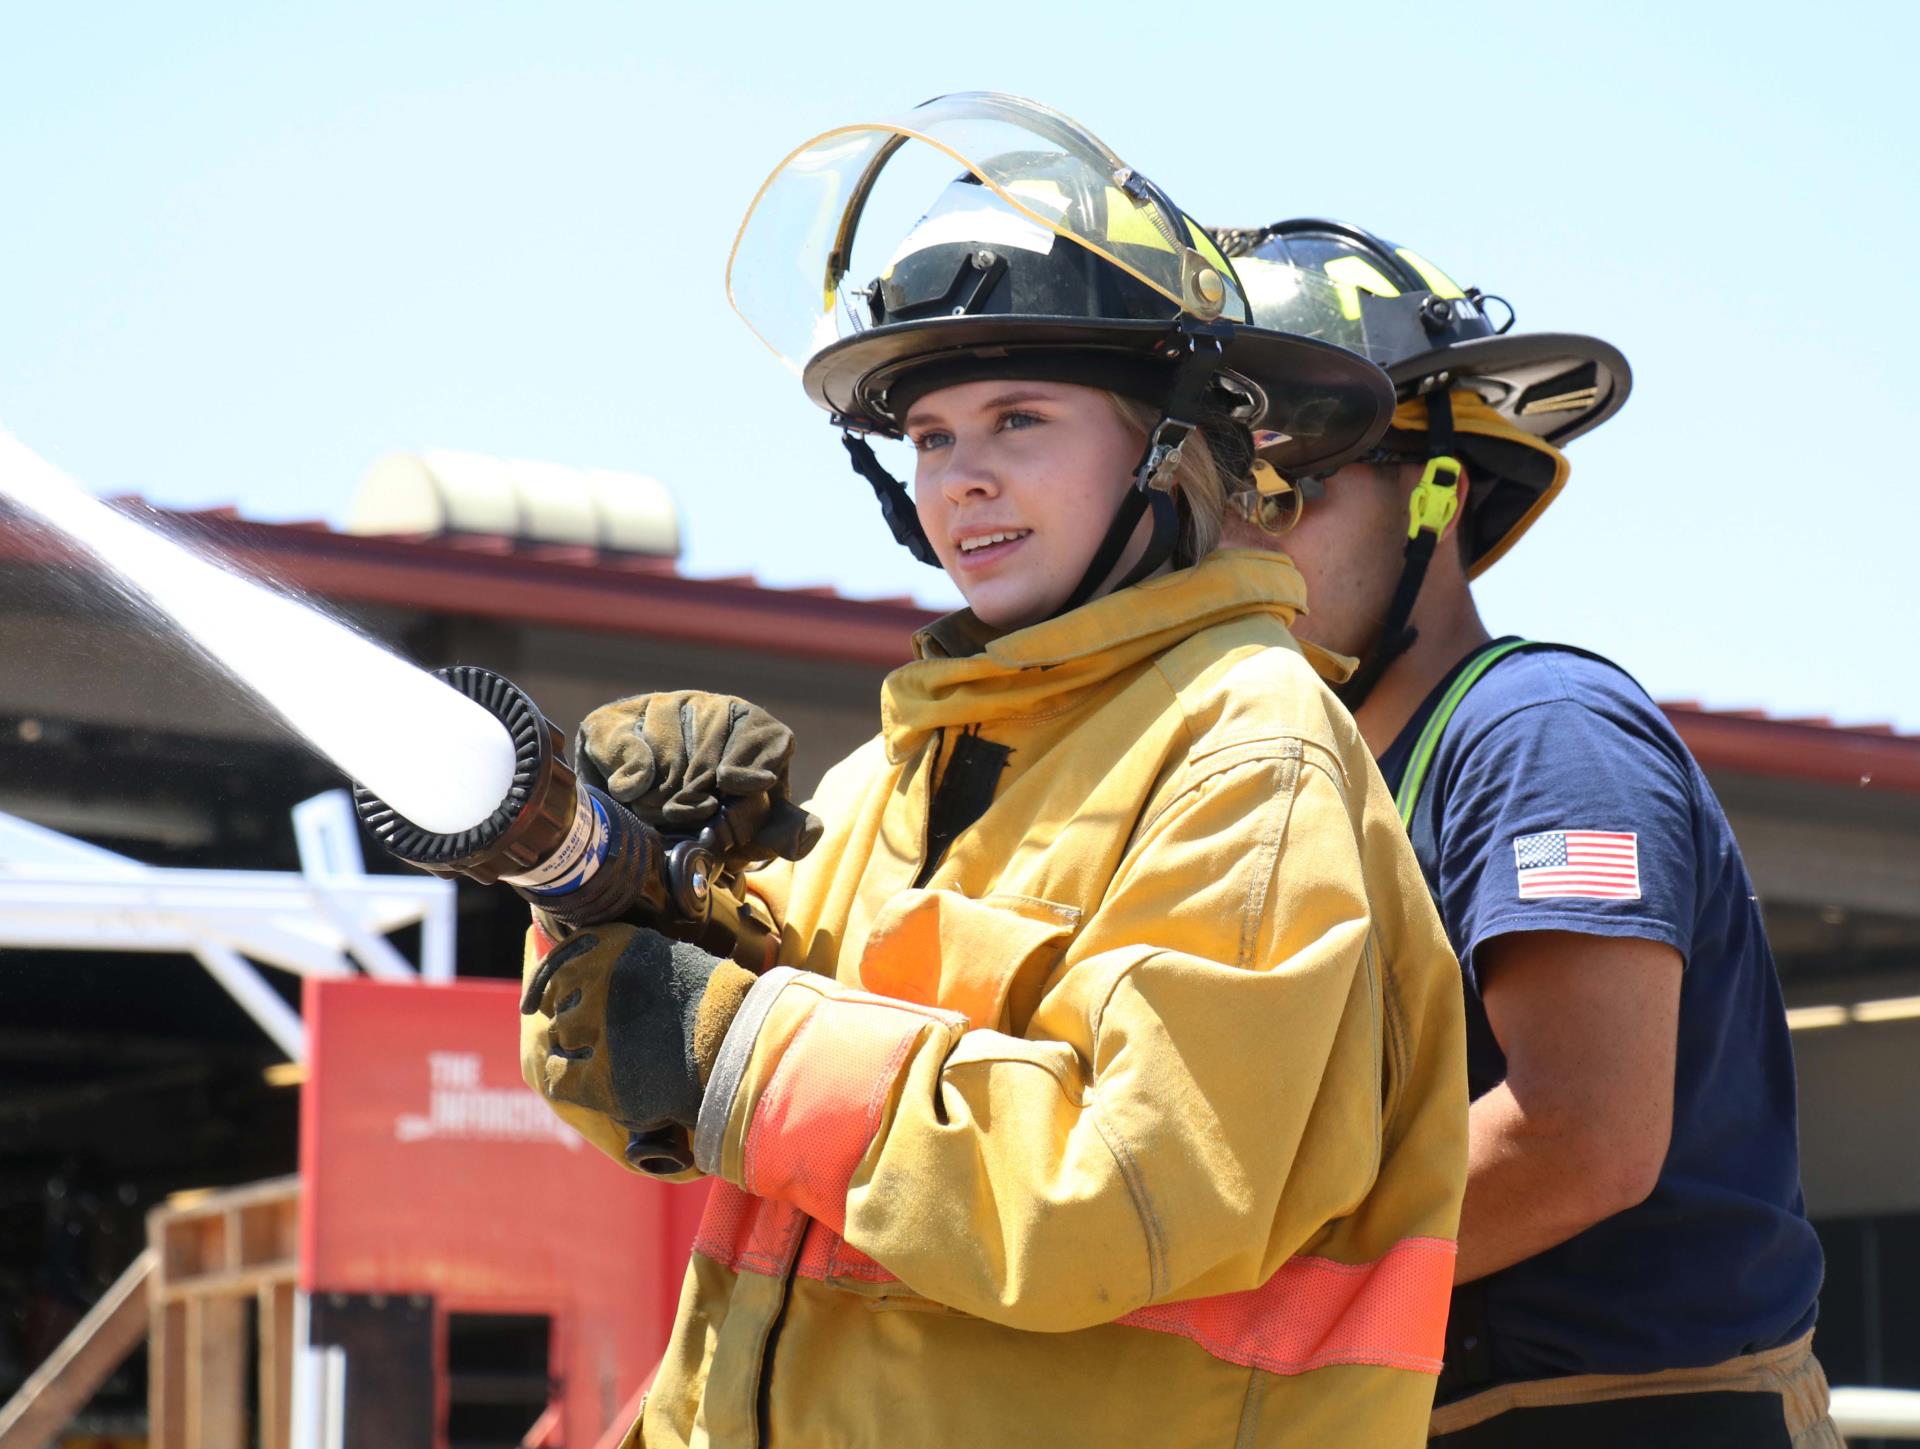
(219, 1255)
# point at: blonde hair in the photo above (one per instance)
(1198, 480)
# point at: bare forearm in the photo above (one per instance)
(1530, 1186)
(1579, 1129)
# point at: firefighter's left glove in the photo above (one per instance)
(636, 1022)
(676, 760)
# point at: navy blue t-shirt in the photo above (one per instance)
(1560, 799)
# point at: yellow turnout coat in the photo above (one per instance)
(1137, 1117)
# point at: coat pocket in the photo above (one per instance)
(988, 959)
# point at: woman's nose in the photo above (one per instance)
(969, 474)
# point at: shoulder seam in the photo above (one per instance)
(1279, 750)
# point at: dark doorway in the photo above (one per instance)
(497, 1381)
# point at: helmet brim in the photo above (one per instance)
(1536, 379)
(1331, 404)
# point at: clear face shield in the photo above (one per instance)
(1292, 299)
(1320, 289)
(1352, 306)
(827, 224)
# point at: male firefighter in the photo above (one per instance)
(1635, 1264)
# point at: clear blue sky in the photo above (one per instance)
(245, 250)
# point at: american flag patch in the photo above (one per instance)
(1602, 863)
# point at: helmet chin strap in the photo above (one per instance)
(1199, 349)
(1435, 500)
(1153, 476)
(896, 504)
(1161, 543)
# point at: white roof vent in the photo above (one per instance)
(441, 491)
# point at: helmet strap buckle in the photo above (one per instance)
(1434, 502)
(1161, 462)
(1195, 349)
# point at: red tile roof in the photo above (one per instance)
(573, 587)
(581, 588)
(1749, 742)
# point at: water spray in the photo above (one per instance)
(472, 782)
(446, 769)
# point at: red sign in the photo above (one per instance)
(428, 1167)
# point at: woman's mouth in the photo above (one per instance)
(980, 549)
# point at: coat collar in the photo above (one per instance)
(966, 673)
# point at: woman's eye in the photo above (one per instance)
(1019, 420)
(931, 439)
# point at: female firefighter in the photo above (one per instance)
(1109, 1086)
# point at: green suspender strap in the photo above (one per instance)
(1408, 795)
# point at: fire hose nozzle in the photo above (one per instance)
(530, 823)
(570, 849)
(584, 858)
(574, 851)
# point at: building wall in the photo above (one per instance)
(1860, 1118)
(1837, 870)
(831, 708)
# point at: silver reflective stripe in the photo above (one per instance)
(736, 1050)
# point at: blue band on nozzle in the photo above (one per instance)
(579, 855)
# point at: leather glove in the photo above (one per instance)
(677, 759)
(637, 1020)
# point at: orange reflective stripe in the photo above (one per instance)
(825, 1256)
(1390, 1313)
(822, 1107)
(1311, 1314)
(757, 1235)
(542, 942)
(748, 1234)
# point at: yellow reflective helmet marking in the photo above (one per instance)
(1438, 282)
(1204, 244)
(1350, 276)
(1130, 224)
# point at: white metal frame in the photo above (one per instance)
(58, 893)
